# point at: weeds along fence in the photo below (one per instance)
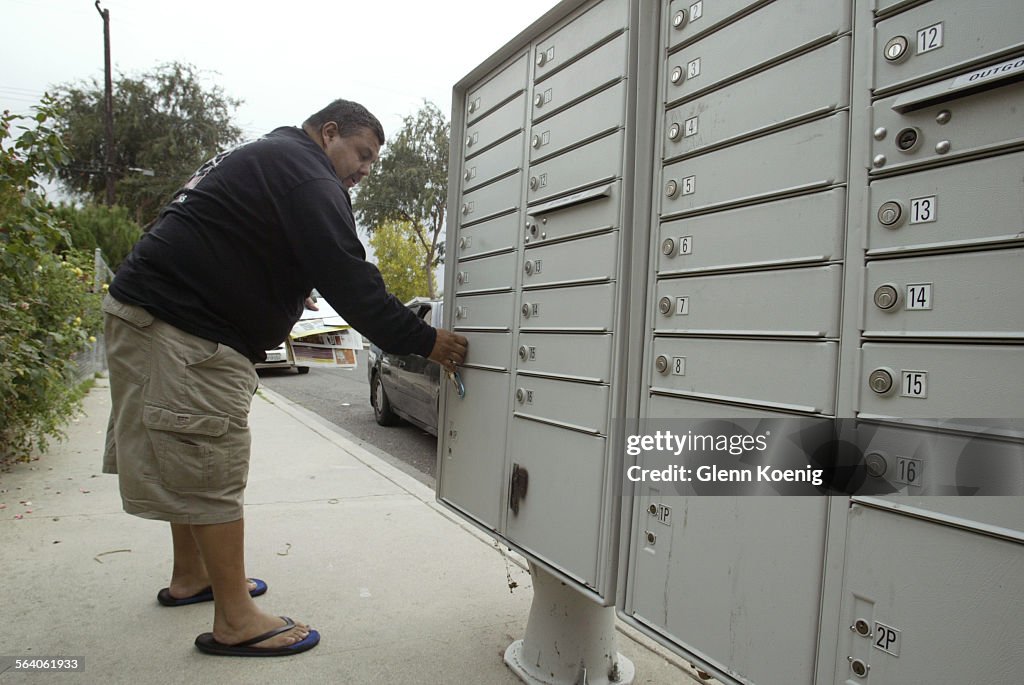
(93, 358)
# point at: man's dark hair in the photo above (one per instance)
(349, 116)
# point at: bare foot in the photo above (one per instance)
(183, 588)
(262, 623)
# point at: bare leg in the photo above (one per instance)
(236, 617)
(189, 575)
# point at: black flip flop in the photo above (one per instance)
(204, 595)
(206, 643)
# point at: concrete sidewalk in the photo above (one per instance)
(401, 591)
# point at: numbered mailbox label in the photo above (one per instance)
(686, 244)
(690, 127)
(923, 210)
(909, 471)
(693, 68)
(919, 297)
(887, 639)
(689, 185)
(696, 10)
(682, 308)
(915, 384)
(678, 366)
(929, 38)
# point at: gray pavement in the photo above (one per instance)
(401, 590)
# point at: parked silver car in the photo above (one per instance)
(406, 386)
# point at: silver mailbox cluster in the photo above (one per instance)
(822, 218)
(538, 260)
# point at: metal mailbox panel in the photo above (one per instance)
(496, 198)
(603, 19)
(944, 36)
(491, 351)
(487, 274)
(712, 62)
(795, 375)
(805, 229)
(496, 235)
(690, 19)
(496, 90)
(589, 259)
(975, 203)
(600, 68)
(815, 84)
(910, 581)
(485, 311)
(972, 295)
(502, 159)
(730, 571)
(787, 302)
(587, 212)
(590, 307)
(591, 164)
(669, 407)
(942, 381)
(575, 356)
(580, 406)
(970, 125)
(495, 127)
(472, 465)
(565, 468)
(599, 114)
(803, 158)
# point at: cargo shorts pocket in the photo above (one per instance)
(196, 451)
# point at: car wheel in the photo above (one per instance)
(381, 406)
(301, 370)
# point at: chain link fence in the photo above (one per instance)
(93, 358)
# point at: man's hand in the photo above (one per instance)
(449, 349)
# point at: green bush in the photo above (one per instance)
(48, 311)
(109, 228)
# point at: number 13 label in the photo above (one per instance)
(923, 210)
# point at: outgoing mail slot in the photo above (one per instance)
(502, 159)
(567, 472)
(802, 158)
(941, 381)
(484, 311)
(751, 304)
(493, 128)
(669, 407)
(572, 356)
(799, 230)
(592, 211)
(597, 115)
(600, 68)
(596, 162)
(586, 260)
(794, 376)
(942, 37)
(496, 90)
(974, 295)
(500, 197)
(816, 83)
(938, 209)
(580, 406)
(485, 275)
(471, 470)
(491, 351)
(587, 307)
(690, 19)
(968, 126)
(603, 19)
(495, 235)
(766, 36)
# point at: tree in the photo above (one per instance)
(166, 124)
(400, 258)
(410, 185)
(108, 228)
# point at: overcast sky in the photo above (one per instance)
(286, 60)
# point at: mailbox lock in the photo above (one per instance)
(876, 466)
(460, 312)
(535, 141)
(534, 183)
(461, 278)
(890, 213)
(462, 243)
(677, 75)
(896, 49)
(859, 668)
(907, 139)
(520, 395)
(673, 131)
(861, 627)
(665, 305)
(886, 296)
(526, 310)
(538, 100)
(881, 381)
(524, 352)
(668, 246)
(468, 175)
(672, 188)
(542, 58)
(465, 209)
(472, 106)
(661, 364)
(679, 20)
(653, 509)
(651, 537)
(528, 268)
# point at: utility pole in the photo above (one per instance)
(108, 169)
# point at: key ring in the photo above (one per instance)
(456, 380)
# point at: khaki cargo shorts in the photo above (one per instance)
(178, 436)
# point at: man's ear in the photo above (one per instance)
(329, 130)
